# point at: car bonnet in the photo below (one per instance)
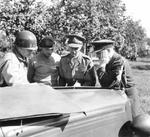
(27, 101)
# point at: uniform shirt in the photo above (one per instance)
(117, 74)
(76, 69)
(14, 70)
(43, 69)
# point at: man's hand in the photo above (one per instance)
(99, 64)
(77, 84)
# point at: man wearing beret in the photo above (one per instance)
(114, 72)
(43, 68)
(76, 67)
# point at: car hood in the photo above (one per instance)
(34, 100)
(93, 99)
(31, 100)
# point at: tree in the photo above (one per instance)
(134, 37)
(92, 18)
(148, 41)
(25, 14)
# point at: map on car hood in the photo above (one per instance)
(33, 100)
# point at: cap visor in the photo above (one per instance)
(75, 45)
(105, 41)
(103, 48)
(31, 48)
(78, 36)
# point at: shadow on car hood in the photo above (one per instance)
(90, 99)
(26, 101)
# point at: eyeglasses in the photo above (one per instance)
(102, 54)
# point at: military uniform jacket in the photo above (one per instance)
(117, 74)
(44, 70)
(76, 69)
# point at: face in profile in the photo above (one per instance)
(74, 51)
(47, 51)
(27, 53)
(103, 56)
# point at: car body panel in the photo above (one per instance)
(33, 100)
(90, 99)
(102, 113)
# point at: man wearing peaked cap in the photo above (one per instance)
(114, 72)
(76, 68)
(102, 44)
(43, 68)
(75, 40)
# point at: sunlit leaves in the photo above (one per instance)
(94, 18)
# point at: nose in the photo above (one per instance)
(49, 50)
(30, 53)
(74, 52)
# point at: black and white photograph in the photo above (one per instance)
(74, 68)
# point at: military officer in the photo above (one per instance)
(43, 68)
(114, 72)
(76, 67)
(13, 65)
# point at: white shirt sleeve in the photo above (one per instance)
(14, 72)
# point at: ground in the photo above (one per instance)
(141, 73)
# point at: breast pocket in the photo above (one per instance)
(82, 68)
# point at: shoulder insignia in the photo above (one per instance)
(65, 55)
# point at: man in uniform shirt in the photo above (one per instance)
(76, 67)
(43, 68)
(114, 72)
(13, 66)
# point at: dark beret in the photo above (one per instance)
(47, 42)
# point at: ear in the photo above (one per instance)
(109, 50)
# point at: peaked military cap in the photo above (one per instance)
(75, 40)
(47, 42)
(100, 45)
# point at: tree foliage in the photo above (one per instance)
(134, 38)
(93, 18)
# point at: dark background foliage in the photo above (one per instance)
(92, 18)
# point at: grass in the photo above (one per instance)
(141, 73)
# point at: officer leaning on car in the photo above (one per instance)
(114, 72)
(14, 64)
(76, 68)
(43, 68)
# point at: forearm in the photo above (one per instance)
(93, 76)
(30, 74)
(110, 78)
(105, 78)
(62, 81)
